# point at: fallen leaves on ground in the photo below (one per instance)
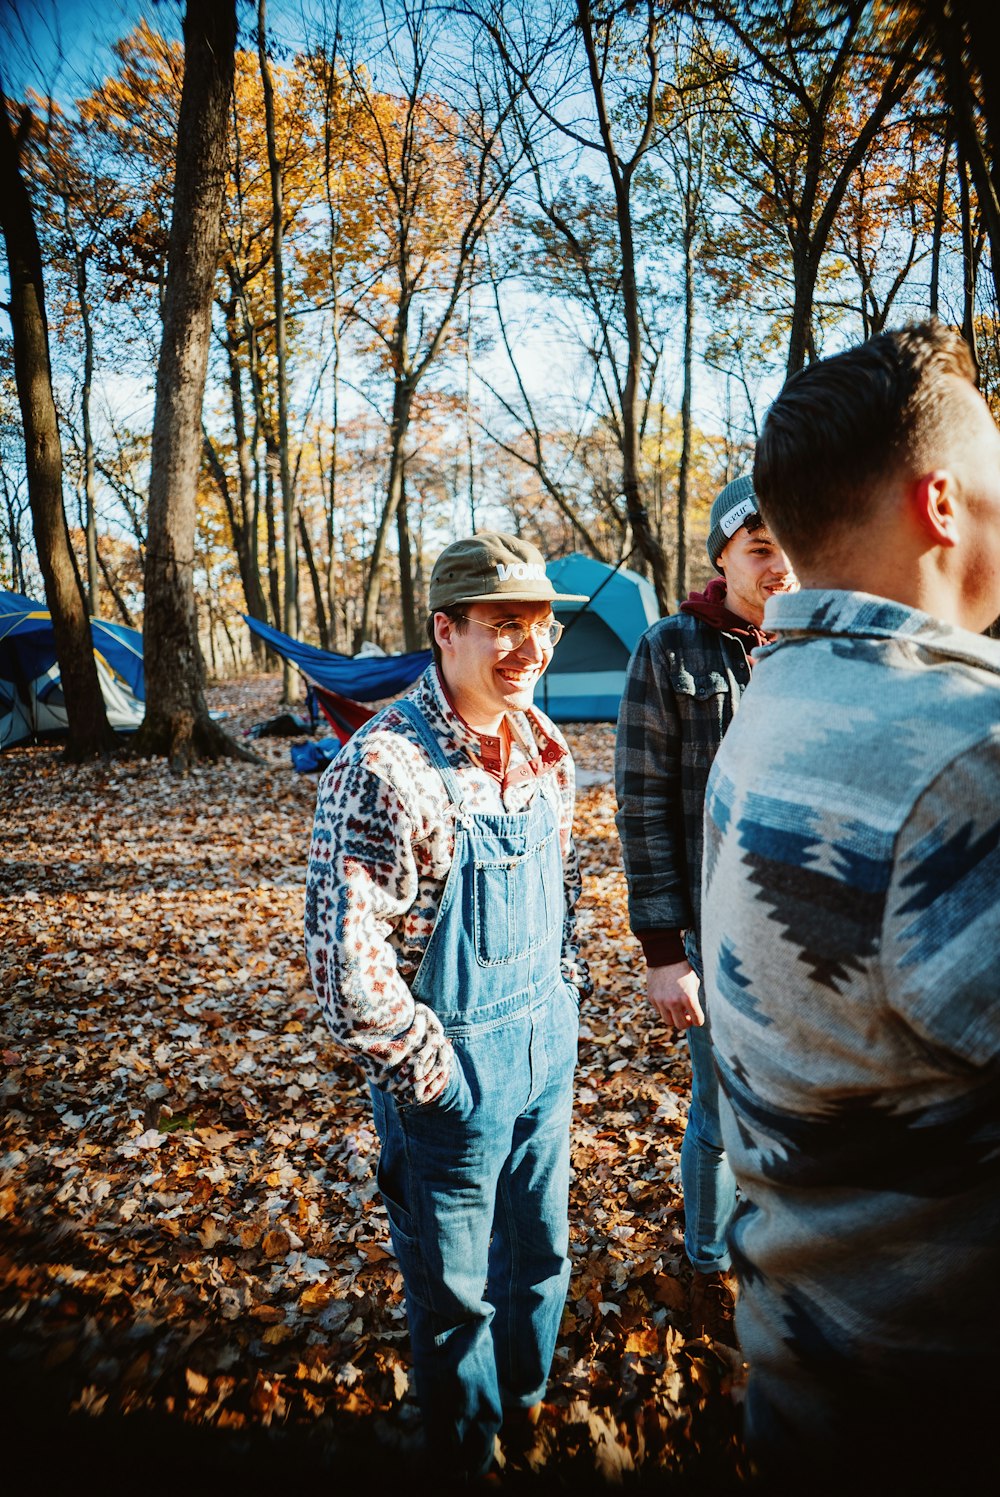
(191, 1227)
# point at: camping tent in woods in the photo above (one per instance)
(31, 698)
(584, 683)
(586, 679)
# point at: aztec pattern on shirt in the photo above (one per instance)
(382, 847)
(851, 924)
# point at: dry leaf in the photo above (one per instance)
(276, 1244)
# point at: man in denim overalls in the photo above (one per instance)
(440, 936)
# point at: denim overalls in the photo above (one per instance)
(476, 1182)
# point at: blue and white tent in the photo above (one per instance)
(31, 697)
(586, 679)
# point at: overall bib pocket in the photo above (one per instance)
(508, 928)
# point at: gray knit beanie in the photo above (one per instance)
(732, 507)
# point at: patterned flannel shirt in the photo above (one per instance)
(683, 685)
(382, 847)
(850, 931)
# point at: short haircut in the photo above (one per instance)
(457, 618)
(843, 427)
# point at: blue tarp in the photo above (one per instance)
(368, 679)
(309, 757)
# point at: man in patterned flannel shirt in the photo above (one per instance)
(851, 925)
(683, 685)
(440, 937)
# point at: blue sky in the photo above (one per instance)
(64, 46)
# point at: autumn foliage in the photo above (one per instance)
(519, 246)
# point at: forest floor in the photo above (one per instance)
(196, 1282)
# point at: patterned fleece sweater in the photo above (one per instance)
(382, 847)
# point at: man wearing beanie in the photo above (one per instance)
(440, 937)
(683, 686)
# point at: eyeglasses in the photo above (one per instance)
(511, 635)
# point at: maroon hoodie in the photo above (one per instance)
(710, 607)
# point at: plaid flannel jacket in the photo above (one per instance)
(683, 685)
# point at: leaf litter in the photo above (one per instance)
(192, 1247)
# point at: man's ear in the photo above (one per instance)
(443, 628)
(932, 499)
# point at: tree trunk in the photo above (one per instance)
(177, 722)
(89, 731)
(89, 484)
(411, 633)
(243, 546)
(621, 177)
(317, 587)
(470, 449)
(684, 469)
(330, 526)
(968, 261)
(247, 544)
(273, 579)
(402, 400)
(290, 676)
(271, 466)
(805, 267)
(973, 143)
(115, 591)
(14, 535)
(332, 129)
(938, 231)
(635, 507)
(331, 514)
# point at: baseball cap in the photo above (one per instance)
(492, 565)
(732, 507)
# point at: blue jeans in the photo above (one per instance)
(476, 1183)
(706, 1178)
(475, 1186)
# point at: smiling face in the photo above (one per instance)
(484, 681)
(755, 567)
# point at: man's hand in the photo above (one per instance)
(673, 992)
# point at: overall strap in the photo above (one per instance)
(408, 707)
